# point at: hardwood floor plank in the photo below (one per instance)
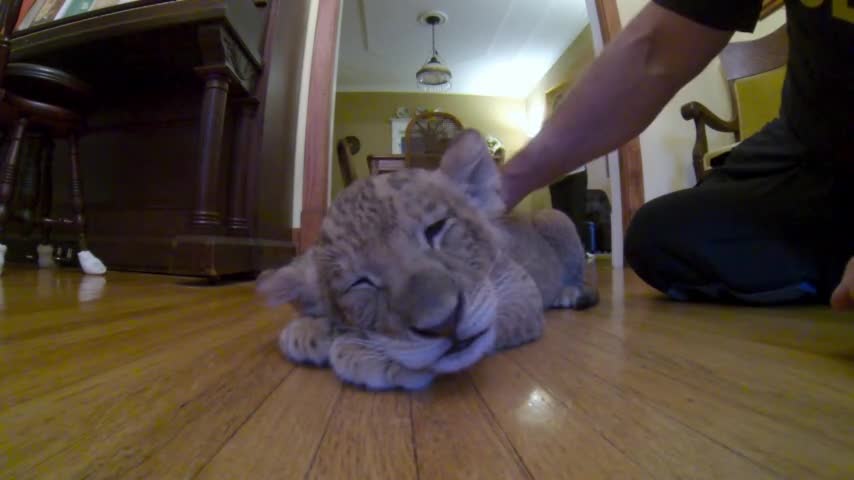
(369, 436)
(660, 444)
(155, 377)
(37, 309)
(822, 370)
(456, 437)
(35, 366)
(815, 329)
(787, 450)
(281, 438)
(109, 421)
(217, 414)
(716, 366)
(554, 438)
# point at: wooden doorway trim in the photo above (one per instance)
(631, 164)
(318, 134)
(318, 127)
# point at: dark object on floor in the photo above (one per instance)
(590, 210)
(598, 217)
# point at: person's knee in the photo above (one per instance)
(650, 238)
(644, 235)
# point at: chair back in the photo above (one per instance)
(428, 136)
(347, 147)
(757, 100)
(755, 71)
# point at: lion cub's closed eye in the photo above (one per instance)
(418, 273)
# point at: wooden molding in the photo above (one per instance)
(769, 7)
(317, 131)
(631, 164)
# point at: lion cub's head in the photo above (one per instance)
(405, 258)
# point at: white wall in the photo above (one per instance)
(667, 143)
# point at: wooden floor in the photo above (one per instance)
(153, 377)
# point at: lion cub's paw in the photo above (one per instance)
(307, 340)
(362, 366)
(576, 297)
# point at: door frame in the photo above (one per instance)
(625, 164)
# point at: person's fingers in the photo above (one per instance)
(843, 296)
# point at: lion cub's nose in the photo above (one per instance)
(430, 302)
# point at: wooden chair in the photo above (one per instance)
(347, 147)
(427, 137)
(755, 71)
(46, 102)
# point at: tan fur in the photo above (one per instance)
(418, 274)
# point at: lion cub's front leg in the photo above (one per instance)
(355, 361)
(307, 340)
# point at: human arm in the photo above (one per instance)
(623, 90)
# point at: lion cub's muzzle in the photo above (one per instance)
(431, 304)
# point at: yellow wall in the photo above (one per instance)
(367, 115)
(667, 143)
(568, 69)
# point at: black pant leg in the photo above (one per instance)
(769, 227)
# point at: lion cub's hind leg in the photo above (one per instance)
(559, 231)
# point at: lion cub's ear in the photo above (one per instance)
(468, 163)
(296, 283)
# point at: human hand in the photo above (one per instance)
(843, 296)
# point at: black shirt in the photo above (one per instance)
(818, 95)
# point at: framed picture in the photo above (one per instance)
(769, 7)
(554, 97)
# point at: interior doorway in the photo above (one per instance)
(618, 174)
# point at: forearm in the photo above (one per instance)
(620, 94)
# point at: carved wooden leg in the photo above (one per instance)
(237, 222)
(7, 181)
(88, 262)
(206, 216)
(45, 204)
(10, 171)
(25, 192)
(77, 192)
(46, 190)
(29, 178)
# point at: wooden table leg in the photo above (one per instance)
(206, 216)
(237, 222)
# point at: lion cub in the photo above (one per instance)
(419, 273)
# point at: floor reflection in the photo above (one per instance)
(91, 288)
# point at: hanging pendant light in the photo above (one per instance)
(434, 76)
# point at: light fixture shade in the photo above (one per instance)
(434, 75)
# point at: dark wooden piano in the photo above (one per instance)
(188, 159)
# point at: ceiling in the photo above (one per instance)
(493, 47)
